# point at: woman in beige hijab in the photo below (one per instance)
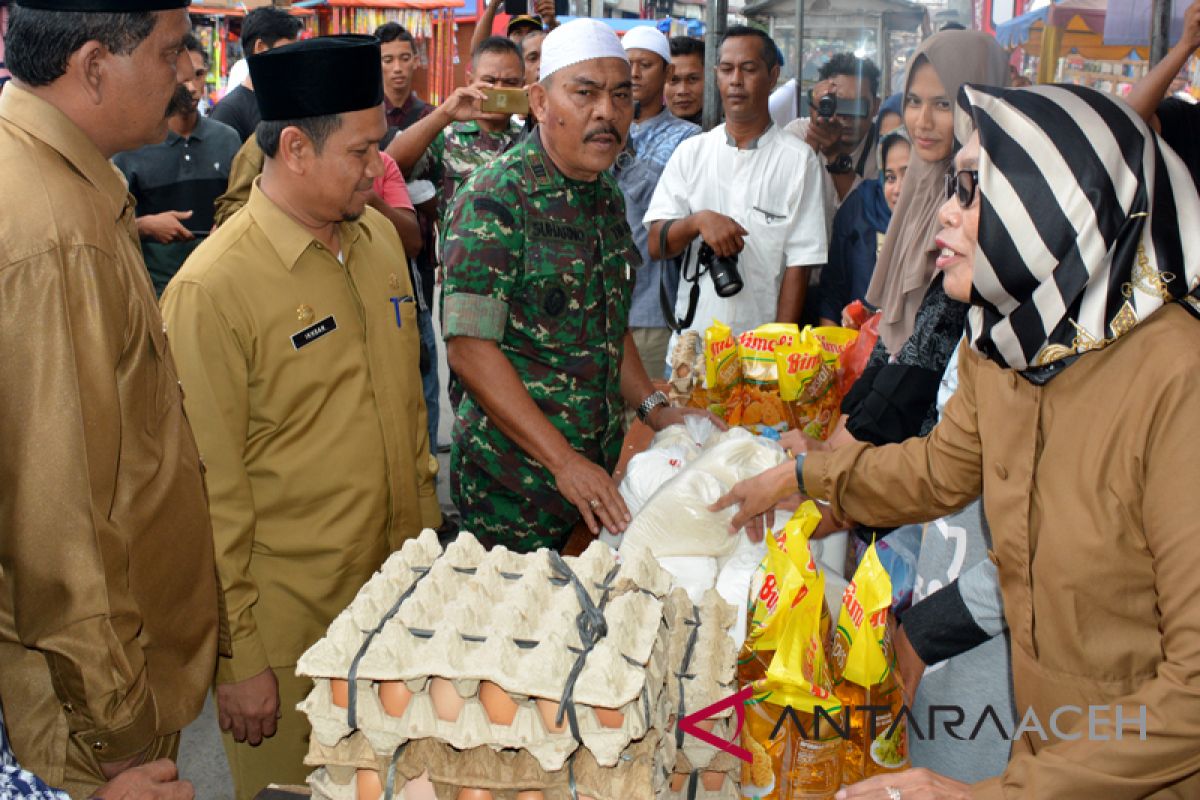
(941, 65)
(895, 398)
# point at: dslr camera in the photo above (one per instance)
(827, 106)
(724, 271)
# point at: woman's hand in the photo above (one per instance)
(756, 496)
(915, 784)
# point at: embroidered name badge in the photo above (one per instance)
(314, 332)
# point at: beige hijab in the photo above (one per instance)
(905, 265)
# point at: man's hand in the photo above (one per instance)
(1190, 38)
(166, 227)
(824, 135)
(249, 708)
(721, 233)
(545, 10)
(665, 416)
(592, 490)
(915, 784)
(158, 780)
(463, 104)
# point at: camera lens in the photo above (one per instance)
(725, 277)
(827, 106)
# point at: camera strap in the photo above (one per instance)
(665, 301)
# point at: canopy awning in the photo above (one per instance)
(424, 5)
(238, 10)
(1073, 25)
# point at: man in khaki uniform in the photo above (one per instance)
(108, 597)
(295, 329)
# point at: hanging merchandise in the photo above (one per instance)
(431, 24)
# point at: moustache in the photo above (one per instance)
(181, 101)
(605, 130)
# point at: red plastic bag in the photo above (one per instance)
(856, 356)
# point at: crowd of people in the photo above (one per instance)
(222, 408)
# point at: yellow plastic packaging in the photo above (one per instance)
(723, 370)
(784, 659)
(761, 404)
(808, 370)
(865, 675)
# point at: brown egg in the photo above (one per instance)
(549, 710)
(677, 781)
(446, 700)
(394, 696)
(339, 692)
(531, 794)
(474, 794)
(499, 706)
(609, 717)
(369, 787)
(713, 781)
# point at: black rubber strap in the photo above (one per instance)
(390, 787)
(352, 676)
(592, 628)
(683, 673)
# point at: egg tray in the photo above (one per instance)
(426, 635)
(530, 729)
(704, 667)
(639, 774)
(332, 655)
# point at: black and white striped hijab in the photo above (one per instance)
(1089, 224)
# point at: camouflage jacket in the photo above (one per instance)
(458, 150)
(540, 264)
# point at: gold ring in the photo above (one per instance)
(593, 502)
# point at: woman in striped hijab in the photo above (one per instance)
(1072, 231)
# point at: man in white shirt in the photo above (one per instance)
(748, 190)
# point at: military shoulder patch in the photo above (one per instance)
(486, 206)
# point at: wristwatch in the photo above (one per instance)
(650, 403)
(842, 165)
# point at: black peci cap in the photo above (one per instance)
(110, 6)
(318, 77)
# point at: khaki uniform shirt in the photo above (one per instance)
(303, 385)
(246, 166)
(1089, 484)
(107, 587)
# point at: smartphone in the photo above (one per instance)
(505, 101)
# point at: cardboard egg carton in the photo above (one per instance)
(507, 622)
(331, 656)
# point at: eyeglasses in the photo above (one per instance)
(963, 184)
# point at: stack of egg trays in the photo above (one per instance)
(473, 592)
(704, 671)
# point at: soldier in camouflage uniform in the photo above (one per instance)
(448, 145)
(539, 267)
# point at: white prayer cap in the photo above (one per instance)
(579, 40)
(647, 37)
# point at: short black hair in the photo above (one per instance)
(318, 129)
(497, 44)
(851, 66)
(770, 53)
(394, 31)
(687, 46)
(268, 25)
(954, 26)
(192, 45)
(39, 43)
(889, 141)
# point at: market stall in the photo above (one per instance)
(218, 25)
(431, 22)
(1055, 32)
